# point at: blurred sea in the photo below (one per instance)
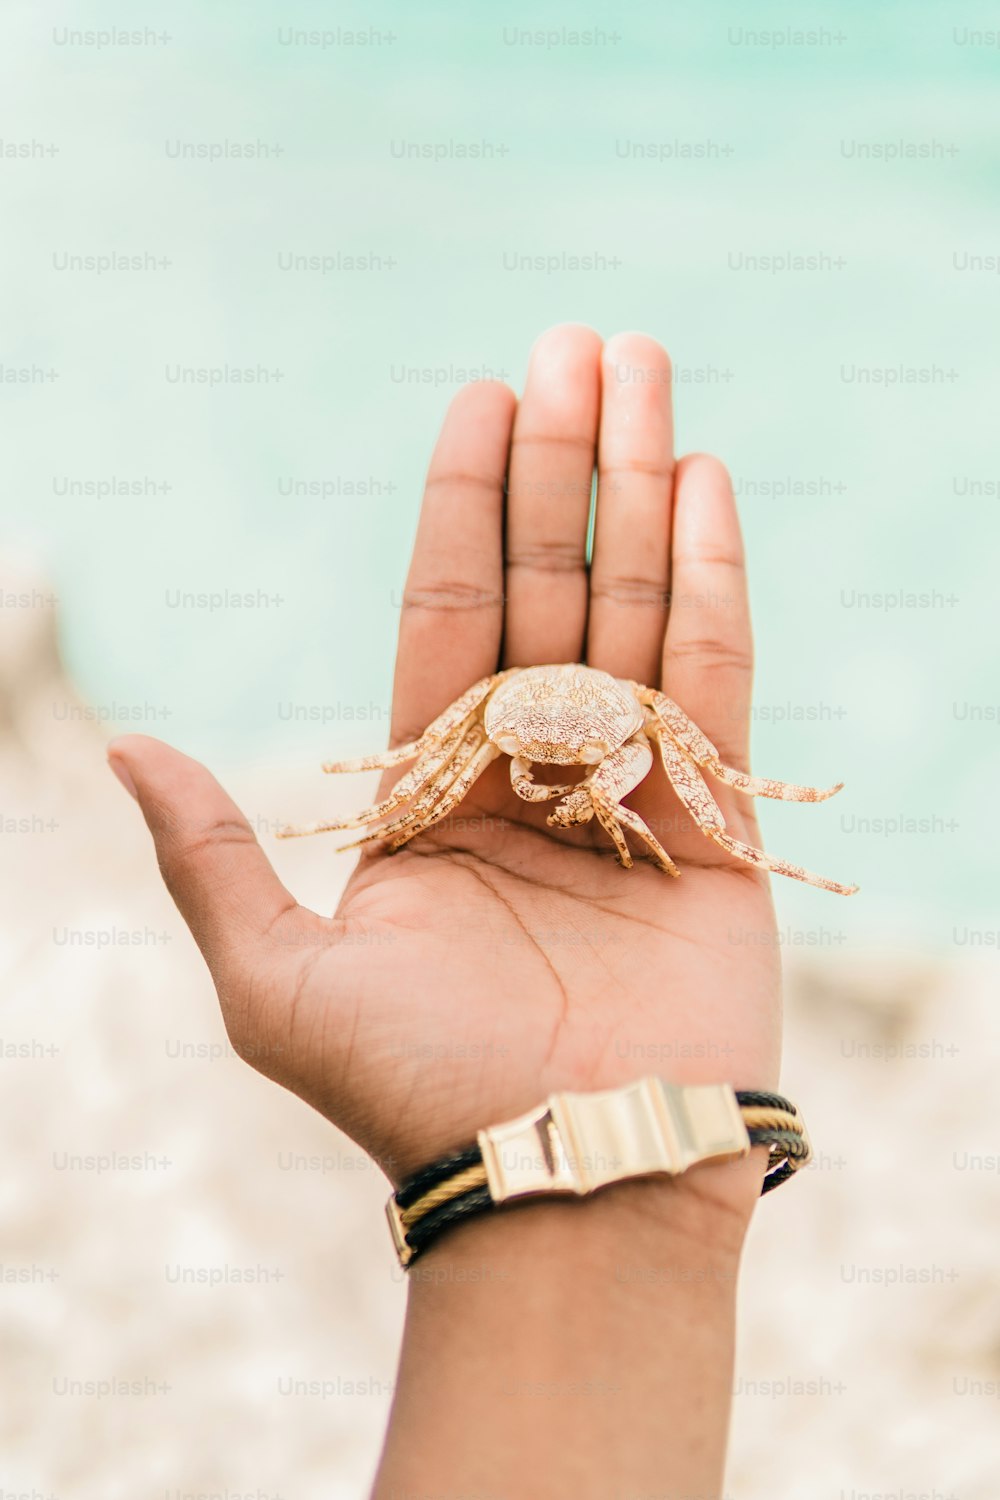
(686, 158)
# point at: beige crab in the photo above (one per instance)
(566, 715)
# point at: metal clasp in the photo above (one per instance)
(575, 1143)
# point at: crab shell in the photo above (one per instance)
(562, 716)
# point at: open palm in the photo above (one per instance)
(494, 959)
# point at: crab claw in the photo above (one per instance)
(576, 808)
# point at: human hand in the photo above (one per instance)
(495, 959)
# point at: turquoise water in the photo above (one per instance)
(675, 152)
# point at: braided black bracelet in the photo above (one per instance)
(650, 1126)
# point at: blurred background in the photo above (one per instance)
(250, 253)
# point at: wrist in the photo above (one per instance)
(629, 1231)
(582, 1144)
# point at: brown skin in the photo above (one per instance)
(494, 959)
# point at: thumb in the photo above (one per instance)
(209, 857)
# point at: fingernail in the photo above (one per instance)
(122, 772)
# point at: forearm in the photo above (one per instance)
(577, 1349)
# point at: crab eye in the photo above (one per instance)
(593, 753)
(508, 745)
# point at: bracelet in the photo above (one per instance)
(577, 1143)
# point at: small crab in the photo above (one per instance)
(566, 715)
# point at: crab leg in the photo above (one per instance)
(701, 750)
(452, 716)
(414, 815)
(616, 776)
(527, 788)
(690, 787)
(635, 824)
(425, 770)
(473, 769)
(611, 826)
(383, 761)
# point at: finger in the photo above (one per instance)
(213, 866)
(452, 612)
(708, 652)
(548, 501)
(630, 570)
